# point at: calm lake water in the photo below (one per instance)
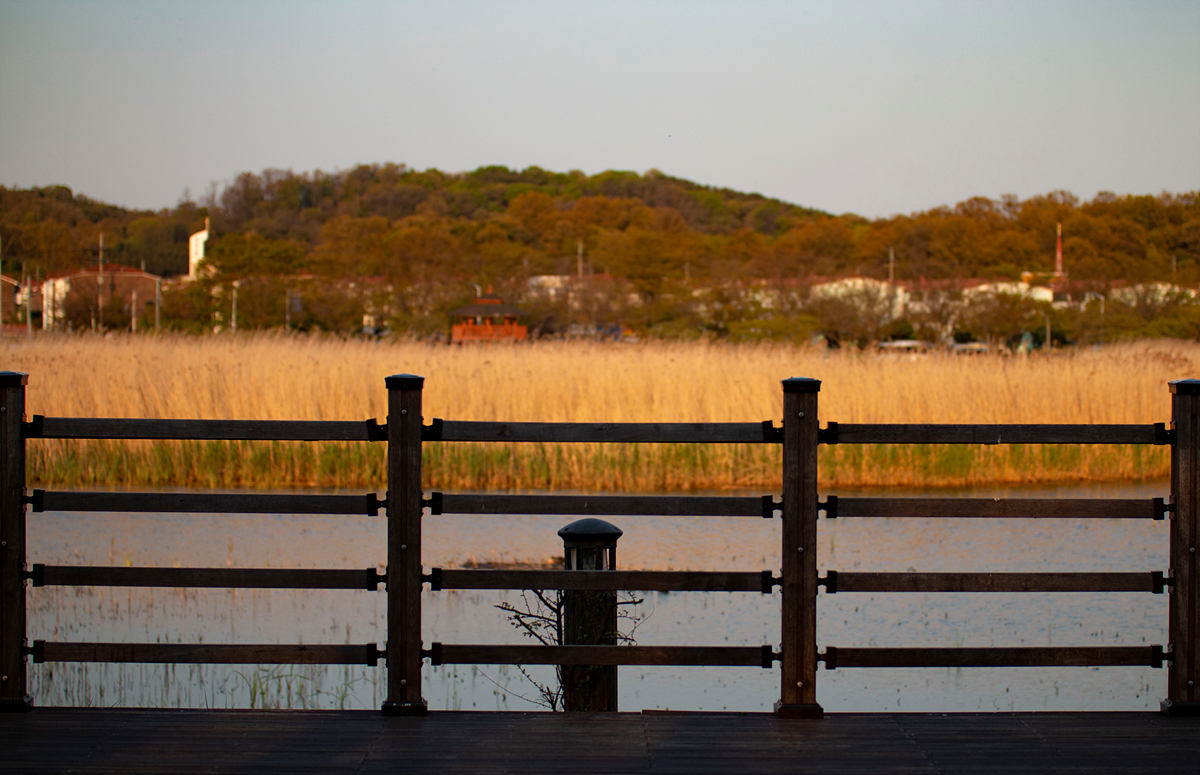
(651, 543)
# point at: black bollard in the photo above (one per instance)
(589, 618)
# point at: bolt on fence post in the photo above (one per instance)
(798, 692)
(404, 547)
(12, 543)
(1183, 626)
(589, 617)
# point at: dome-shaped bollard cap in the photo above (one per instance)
(591, 531)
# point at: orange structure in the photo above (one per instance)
(488, 319)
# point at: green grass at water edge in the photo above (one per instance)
(589, 467)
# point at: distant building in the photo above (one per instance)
(9, 287)
(88, 291)
(196, 245)
(488, 319)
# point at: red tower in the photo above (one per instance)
(1058, 268)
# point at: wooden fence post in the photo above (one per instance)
(404, 546)
(799, 658)
(12, 543)
(1183, 628)
(589, 618)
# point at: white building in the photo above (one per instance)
(196, 251)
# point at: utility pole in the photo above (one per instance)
(233, 316)
(28, 303)
(891, 265)
(133, 313)
(100, 286)
(157, 302)
(579, 258)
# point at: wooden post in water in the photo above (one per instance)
(12, 542)
(404, 546)
(1183, 627)
(589, 618)
(798, 695)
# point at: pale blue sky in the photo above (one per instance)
(870, 107)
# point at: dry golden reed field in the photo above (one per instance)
(278, 377)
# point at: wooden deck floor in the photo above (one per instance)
(136, 741)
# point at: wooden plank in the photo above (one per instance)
(12, 534)
(261, 578)
(660, 581)
(995, 582)
(603, 505)
(404, 546)
(855, 433)
(1001, 508)
(207, 653)
(210, 503)
(660, 433)
(1183, 616)
(798, 674)
(1037, 656)
(476, 654)
(231, 430)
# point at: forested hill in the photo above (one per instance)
(496, 225)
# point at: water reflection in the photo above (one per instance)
(654, 543)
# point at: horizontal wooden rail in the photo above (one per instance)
(655, 581)
(604, 505)
(997, 508)
(205, 653)
(1037, 656)
(232, 430)
(206, 503)
(855, 433)
(994, 582)
(241, 578)
(645, 432)
(448, 654)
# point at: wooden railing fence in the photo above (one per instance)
(800, 507)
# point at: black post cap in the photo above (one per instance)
(801, 385)
(13, 379)
(591, 530)
(404, 382)
(1185, 387)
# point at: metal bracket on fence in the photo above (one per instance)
(375, 431)
(1158, 656)
(829, 506)
(374, 578)
(770, 581)
(33, 428)
(1164, 435)
(769, 656)
(829, 657)
(37, 651)
(433, 578)
(1159, 582)
(829, 581)
(434, 653)
(771, 434)
(374, 504)
(828, 434)
(37, 575)
(770, 506)
(1161, 507)
(380, 653)
(433, 431)
(433, 503)
(37, 499)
